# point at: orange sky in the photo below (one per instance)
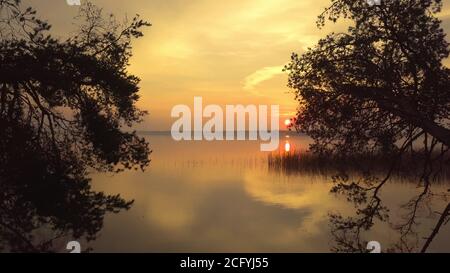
(228, 52)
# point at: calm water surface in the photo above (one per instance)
(221, 197)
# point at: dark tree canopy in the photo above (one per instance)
(379, 90)
(379, 83)
(42, 206)
(75, 94)
(65, 106)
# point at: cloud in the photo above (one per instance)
(261, 75)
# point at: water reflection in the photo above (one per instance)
(415, 221)
(59, 120)
(46, 201)
(214, 196)
(219, 196)
(287, 147)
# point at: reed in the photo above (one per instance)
(409, 165)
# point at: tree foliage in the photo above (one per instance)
(75, 95)
(379, 83)
(65, 108)
(380, 88)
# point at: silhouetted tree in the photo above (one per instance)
(380, 82)
(46, 201)
(349, 232)
(65, 105)
(76, 94)
(379, 88)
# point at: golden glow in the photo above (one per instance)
(261, 75)
(228, 52)
(287, 147)
(287, 122)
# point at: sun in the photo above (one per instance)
(287, 122)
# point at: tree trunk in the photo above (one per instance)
(401, 107)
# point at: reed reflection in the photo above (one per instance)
(365, 181)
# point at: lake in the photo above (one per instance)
(199, 196)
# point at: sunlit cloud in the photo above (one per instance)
(261, 75)
(304, 194)
(213, 49)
